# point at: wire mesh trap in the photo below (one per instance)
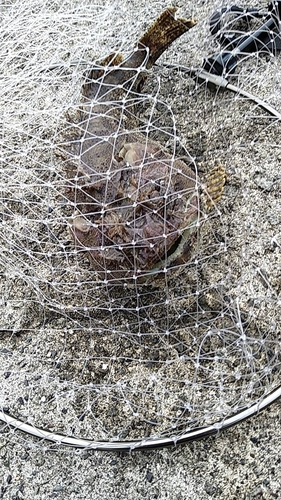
(134, 311)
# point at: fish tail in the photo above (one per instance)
(163, 32)
(157, 39)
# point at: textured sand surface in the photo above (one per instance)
(243, 462)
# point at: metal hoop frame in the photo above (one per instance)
(144, 444)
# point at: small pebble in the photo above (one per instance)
(59, 487)
(149, 477)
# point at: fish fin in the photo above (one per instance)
(214, 187)
(113, 59)
(163, 32)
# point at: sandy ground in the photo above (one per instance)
(243, 462)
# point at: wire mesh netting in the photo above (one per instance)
(133, 307)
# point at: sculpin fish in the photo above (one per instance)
(136, 205)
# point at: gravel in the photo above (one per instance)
(242, 462)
